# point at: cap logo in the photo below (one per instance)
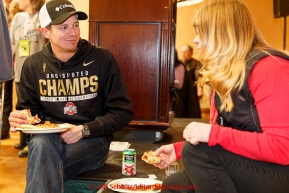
(63, 6)
(55, 12)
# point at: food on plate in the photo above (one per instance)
(46, 125)
(149, 157)
(31, 119)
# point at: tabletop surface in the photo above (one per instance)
(113, 166)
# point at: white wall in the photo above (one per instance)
(82, 6)
(271, 28)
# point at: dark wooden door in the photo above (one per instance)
(140, 34)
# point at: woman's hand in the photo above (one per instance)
(72, 135)
(197, 132)
(167, 154)
(16, 119)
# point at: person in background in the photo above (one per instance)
(176, 88)
(245, 147)
(13, 9)
(26, 39)
(7, 7)
(69, 81)
(179, 71)
(6, 54)
(8, 103)
(186, 103)
(192, 64)
(189, 61)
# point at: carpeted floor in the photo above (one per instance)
(12, 167)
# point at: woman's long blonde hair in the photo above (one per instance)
(227, 33)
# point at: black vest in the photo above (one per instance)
(244, 115)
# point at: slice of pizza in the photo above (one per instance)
(149, 157)
(31, 119)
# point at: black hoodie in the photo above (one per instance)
(88, 88)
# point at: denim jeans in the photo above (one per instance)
(51, 162)
(213, 169)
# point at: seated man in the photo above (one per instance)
(69, 81)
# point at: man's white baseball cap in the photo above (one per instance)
(55, 12)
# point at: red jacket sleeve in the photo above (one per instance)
(269, 84)
(178, 149)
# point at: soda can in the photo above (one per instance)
(129, 162)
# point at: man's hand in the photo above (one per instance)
(16, 119)
(168, 155)
(72, 135)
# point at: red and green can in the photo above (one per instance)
(129, 162)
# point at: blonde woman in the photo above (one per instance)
(245, 148)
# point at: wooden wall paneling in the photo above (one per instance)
(130, 10)
(139, 34)
(136, 48)
(165, 75)
(92, 32)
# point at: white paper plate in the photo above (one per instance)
(34, 129)
(120, 184)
